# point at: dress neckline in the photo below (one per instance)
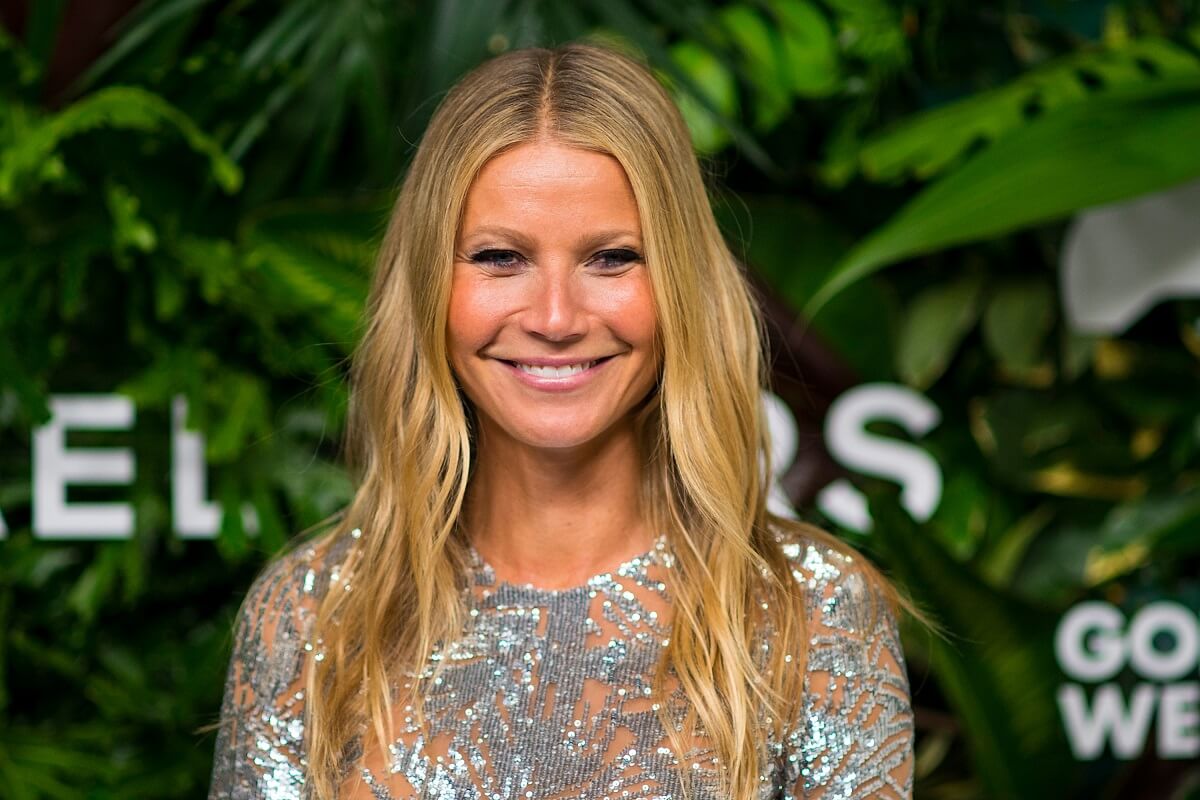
(635, 565)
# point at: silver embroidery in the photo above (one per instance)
(549, 695)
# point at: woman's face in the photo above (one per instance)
(551, 321)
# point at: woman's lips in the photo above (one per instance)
(555, 383)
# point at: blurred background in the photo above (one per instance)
(975, 227)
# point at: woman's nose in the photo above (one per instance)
(556, 309)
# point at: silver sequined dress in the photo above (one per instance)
(549, 694)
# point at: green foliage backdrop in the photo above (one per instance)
(196, 212)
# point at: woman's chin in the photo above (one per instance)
(556, 440)
(557, 434)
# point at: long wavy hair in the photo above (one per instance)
(702, 430)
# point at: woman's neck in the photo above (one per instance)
(554, 518)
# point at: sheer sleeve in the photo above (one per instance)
(855, 737)
(259, 751)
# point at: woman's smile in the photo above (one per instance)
(556, 377)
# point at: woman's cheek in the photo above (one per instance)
(628, 304)
(475, 308)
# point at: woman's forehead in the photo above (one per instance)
(538, 188)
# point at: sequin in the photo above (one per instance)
(549, 693)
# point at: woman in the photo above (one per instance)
(558, 577)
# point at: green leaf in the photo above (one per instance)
(28, 388)
(1075, 351)
(716, 83)
(130, 230)
(242, 400)
(924, 144)
(316, 491)
(317, 261)
(96, 583)
(810, 51)
(287, 33)
(1016, 320)
(169, 294)
(146, 23)
(871, 30)
(16, 63)
(1117, 146)
(933, 328)
(1136, 533)
(272, 533)
(631, 30)
(961, 517)
(74, 271)
(232, 538)
(1057, 443)
(214, 261)
(998, 564)
(23, 161)
(762, 50)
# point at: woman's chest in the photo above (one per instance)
(546, 697)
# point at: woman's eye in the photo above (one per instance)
(616, 258)
(497, 258)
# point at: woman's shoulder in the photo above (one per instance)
(261, 735)
(817, 556)
(842, 587)
(853, 735)
(288, 588)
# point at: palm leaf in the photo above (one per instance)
(1117, 146)
(925, 144)
(150, 22)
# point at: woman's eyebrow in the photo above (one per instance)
(516, 237)
(605, 237)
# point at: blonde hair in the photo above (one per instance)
(702, 430)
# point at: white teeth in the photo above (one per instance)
(555, 372)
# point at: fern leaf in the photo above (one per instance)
(117, 107)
